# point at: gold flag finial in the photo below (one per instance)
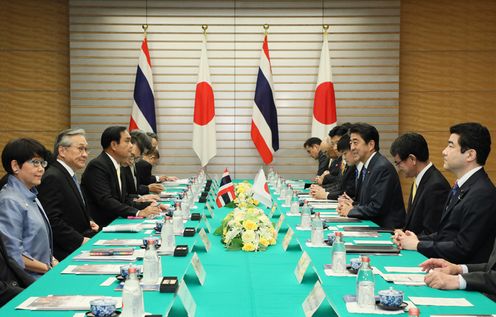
(204, 27)
(266, 28)
(145, 28)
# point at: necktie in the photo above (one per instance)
(74, 177)
(363, 173)
(453, 195)
(414, 189)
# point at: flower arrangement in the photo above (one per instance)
(247, 229)
(244, 196)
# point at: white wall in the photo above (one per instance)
(364, 46)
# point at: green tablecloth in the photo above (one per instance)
(241, 283)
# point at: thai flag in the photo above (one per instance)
(324, 103)
(226, 192)
(143, 112)
(264, 128)
(204, 139)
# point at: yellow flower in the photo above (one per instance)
(264, 242)
(272, 241)
(248, 236)
(248, 247)
(250, 225)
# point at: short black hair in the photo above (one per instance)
(475, 136)
(22, 150)
(311, 142)
(367, 132)
(112, 133)
(410, 143)
(142, 140)
(344, 143)
(339, 130)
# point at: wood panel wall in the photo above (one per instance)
(34, 70)
(447, 71)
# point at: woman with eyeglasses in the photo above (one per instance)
(23, 222)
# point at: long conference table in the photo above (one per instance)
(245, 283)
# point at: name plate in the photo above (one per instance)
(313, 300)
(287, 239)
(279, 223)
(189, 303)
(206, 223)
(205, 239)
(302, 266)
(210, 210)
(198, 268)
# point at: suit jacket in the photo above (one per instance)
(466, 231)
(66, 210)
(132, 184)
(380, 197)
(144, 172)
(323, 163)
(482, 277)
(346, 183)
(13, 278)
(424, 214)
(105, 200)
(332, 178)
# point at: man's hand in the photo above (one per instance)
(408, 241)
(172, 178)
(54, 261)
(85, 239)
(440, 280)
(156, 188)
(318, 192)
(149, 212)
(441, 265)
(94, 226)
(344, 207)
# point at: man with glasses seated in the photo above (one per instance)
(61, 195)
(23, 222)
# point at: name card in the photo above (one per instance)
(279, 223)
(206, 224)
(210, 210)
(273, 210)
(313, 300)
(205, 239)
(287, 239)
(198, 268)
(302, 266)
(189, 303)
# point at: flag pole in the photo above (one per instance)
(145, 28)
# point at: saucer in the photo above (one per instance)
(392, 308)
(114, 314)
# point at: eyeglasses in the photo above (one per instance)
(38, 163)
(81, 149)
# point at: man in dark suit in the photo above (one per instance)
(466, 230)
(429, 188)
(330, 177)
(312, 146)
(346, 180)
(380, 199)
(480, 277)
(13, 278)
(103, 184)
(61, 195)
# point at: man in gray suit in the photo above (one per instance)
(479, 277)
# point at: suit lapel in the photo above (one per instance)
(113, 174)
(70, 180)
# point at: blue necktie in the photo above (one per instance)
(364, 172)
(74, 177)
(452, 196)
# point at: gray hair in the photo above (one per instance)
(63, 139)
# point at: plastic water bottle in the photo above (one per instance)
(167, 236)
(185, 207)
(317, 236)
(152, 267)
(289, 195)
(365, 285)
(132, 296)
(295, 206)
(305, 215)
(338, 254)
(413, 312)
(177, 220)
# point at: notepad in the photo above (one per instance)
(440, 301)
